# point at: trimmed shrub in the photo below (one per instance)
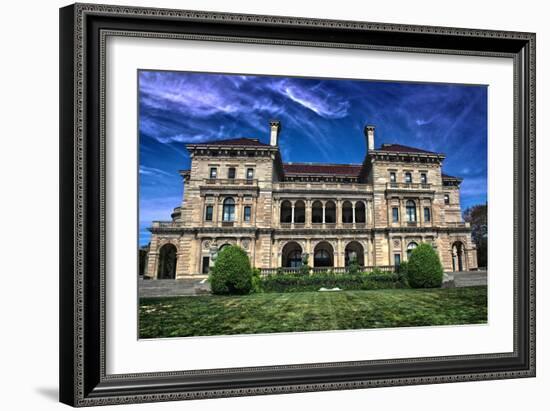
(424, 269)
(299, 283)
(231, 273)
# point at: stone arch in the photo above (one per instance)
(354, 248)
(168, 257)
(458, 254)
(291, 254)
(323, 255)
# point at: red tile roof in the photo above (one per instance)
(241, 141)
(399, 148)
(323, 169)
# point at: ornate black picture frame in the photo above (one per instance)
(83, 30)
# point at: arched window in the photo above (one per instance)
(317, 212)
(229, 209)
(330, 212)
(412, 245)
(167, 262)
(360, 212)
(347, 213)
(300, 212)
(354, 250)
(323, 255)
(411, 211)
(292, 255)
(286, 212)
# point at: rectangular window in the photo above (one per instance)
(423, 178)
(249, 173)
(213, 172)
(395, 214)
(392, 177)
(205, 265)
(427, 214)
(446, 197)
(231, 173)
(397, 260)
(209, 212)
(408, 178)
(247, 212)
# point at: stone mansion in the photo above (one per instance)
(239, 191)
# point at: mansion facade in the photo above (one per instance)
(239, 191)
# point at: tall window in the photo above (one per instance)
(231, 173)
(408, 177)
(395, 214)
(247, 214)
(446, 198)
(427, 214)
(423, 178)
(209, 212)
(397, 260)
(249, 173)
(229, 209)
(205, 265)
(213, 172)
(411, 211)
(393, 178)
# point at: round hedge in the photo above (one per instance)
(231, 273)
(424, 269)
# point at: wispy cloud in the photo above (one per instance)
(152, 171)
(315, 98)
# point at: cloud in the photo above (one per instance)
(317, 99)
(152, 171)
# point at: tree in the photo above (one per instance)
(231, 273)
(477, 217)
(424, 269)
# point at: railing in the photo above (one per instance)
(231, 181)
(318, 270)
(321, 185)
(408, 186)
(163, 224)
(458, 224)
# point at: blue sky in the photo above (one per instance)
(322, 121)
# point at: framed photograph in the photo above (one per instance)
(261, 204)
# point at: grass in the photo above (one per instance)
(310, 311)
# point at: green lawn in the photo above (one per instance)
(310, 311)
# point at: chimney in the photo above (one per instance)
(275, 126)
(369, 133)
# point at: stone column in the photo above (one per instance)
(308, 213)
(353, 212)
(420, 213)
(403, 212)
(339, 212)
(324, 205)
(292, 215)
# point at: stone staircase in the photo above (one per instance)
(468, 278)
(172, 288)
